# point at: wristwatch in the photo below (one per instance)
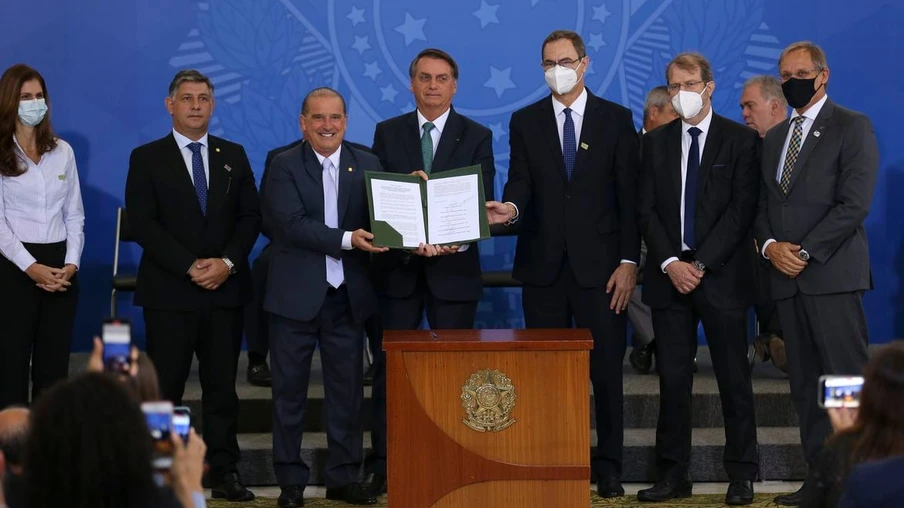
(699, 265)
(230, 265)
(803, 255)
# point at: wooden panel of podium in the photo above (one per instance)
(488, 418)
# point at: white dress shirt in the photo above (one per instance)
(438, 125)
(334, 158)
(686, 140)
(809, 117)
(42, 205)
(183, 143)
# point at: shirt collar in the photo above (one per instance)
(439, 124)
(334, 158)
(578, 106)
(183, 141)
(811, 113)
(703, 125)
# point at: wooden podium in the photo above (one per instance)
(488, 418)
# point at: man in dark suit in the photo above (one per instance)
(194, 210)
(571, 187)
(657, 111)
(319, 293)
(698, 195)
(442, 282)
(819, 173)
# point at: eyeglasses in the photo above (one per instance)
(565, 62)
(801, 74)
(687, 85)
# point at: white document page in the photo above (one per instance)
(452, 211)
(399, 205)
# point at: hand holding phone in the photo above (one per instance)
(117, 338)
(159, 416)
(182, 422)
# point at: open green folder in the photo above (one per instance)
(448, 209)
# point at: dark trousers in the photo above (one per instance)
(257, 322)
(35, 326)
(676, 345)
(564, 304)
(341, 353)
(405, 314)
(215, 336)
(824, 334)
(765, 306)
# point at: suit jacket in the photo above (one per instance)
(832, 186)
(593, 216)
(294, 213)
(875, 485)
(464, 142)
(167, 222)
(727, 190)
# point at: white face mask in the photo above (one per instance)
(688, 104)
(561, 80)
(32, 112)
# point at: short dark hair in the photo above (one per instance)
(437, 54)
(574, 37)
(323, 91)
(188, 76)
(690, 61)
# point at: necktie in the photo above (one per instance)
(791, 156)
(334, 273)
(197, 173)
(690, 188)
(427, 147)
(569, 144)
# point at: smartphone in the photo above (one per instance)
(159, 416)
(840, 391)
(182, 422)
(117, 337)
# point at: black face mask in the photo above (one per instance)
(799, 92)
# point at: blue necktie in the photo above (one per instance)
(569, 144)
(690, 188)
(197, 173)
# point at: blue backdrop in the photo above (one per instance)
(108, 64)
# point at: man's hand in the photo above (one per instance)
(684, 276)
(420, 174)
(363, 240)
(842, 418)
(784, 258)
(188, 466)
(622, 282)
(47, 278)
(497, 212)
(429, 251)
(96, 360)
(212, 273)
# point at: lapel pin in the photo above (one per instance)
(217, 150)
(226, 167)
(350, 169)
(585, 146)
(816, 134)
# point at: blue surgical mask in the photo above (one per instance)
(32, 112)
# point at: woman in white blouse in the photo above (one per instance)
(41, 237)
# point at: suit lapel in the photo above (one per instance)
(345, 175)
(710, 150)
(816, 131)
(595, 126)
(549, 131)
(220, 176)
(448, 141)
(181, 173)
(411, 135)
(673, 140)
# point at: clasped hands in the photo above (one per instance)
(209, 273)
(51, 279)
(785, 257)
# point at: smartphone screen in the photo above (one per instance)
(840, 391)
(159, 416)
(117, 337)
(182, 422)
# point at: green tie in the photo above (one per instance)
(427, 147)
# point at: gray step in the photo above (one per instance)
(781, 457)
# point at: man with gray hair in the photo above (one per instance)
(194, 210)
(762, 104)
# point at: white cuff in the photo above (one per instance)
(24, 259)
(347, 240)
(766, 244)
(623, 261)
(667, 262)
(464, 247)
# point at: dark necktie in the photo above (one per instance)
(791, 157)
(197, 172)
(569, 144)
(427, 147)
(690, 188)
